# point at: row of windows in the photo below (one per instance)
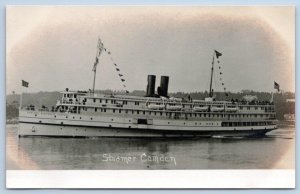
(70, 95)
(191, 106)
(170, 114)
(233, 124)
(224, 124)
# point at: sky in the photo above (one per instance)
(54, 47)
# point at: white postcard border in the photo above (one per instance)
(149, 179)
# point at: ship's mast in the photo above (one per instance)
(98, 53)
(211, 76)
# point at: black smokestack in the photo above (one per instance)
(151, 86)
(164, 83)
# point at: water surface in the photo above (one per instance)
(276, 150)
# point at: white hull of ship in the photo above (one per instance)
(33, 124)
(32, 129)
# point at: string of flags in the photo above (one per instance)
(218, 54)
(121, 76)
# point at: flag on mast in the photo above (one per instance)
(25, 84)
(276, 86)
(218, 54)
(99, 51)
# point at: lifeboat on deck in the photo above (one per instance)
(156, 106)
(217, 109)
(200, 108)
(174, 107)
(231, 109)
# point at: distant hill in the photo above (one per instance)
(49, 99)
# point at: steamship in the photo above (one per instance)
(87, 114)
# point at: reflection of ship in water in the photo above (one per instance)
(196, 153)
(90, 152)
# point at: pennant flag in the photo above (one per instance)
(218, 54)
(116, 66)
(100, 47)
(25, 84)
(276, 86)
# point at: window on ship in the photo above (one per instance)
(142, 121)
